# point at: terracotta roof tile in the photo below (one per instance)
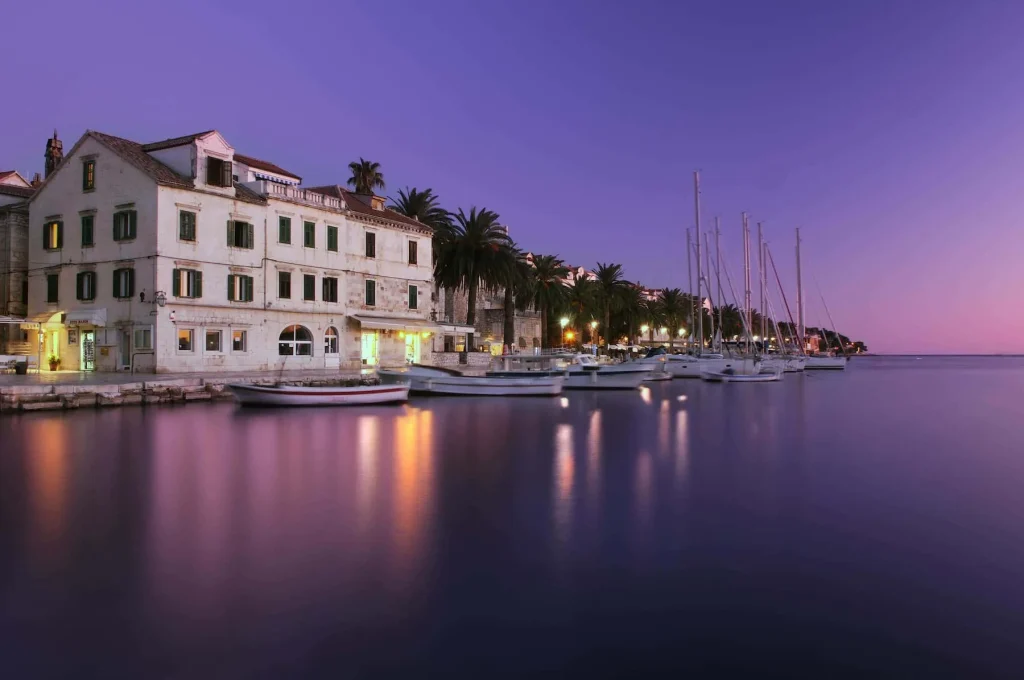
(20, 192)
(134, 153)
(265, 165)
(174, 141)
(354, 204)
(244, 193)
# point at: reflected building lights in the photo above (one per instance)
(564, 401)
(682, 444)
(48, 471)
(594, 454)
(564, 472)
(645, 394)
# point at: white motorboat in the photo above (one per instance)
(825, 363)
(436, 380)
(580, 371)
(795, 364)
(693, 366)
(297, 395)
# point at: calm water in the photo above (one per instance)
(861, 524)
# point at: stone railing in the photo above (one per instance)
(288, 192)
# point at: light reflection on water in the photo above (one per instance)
(221, 542)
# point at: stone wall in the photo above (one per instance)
(490, 318)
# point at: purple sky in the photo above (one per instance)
(890, 131)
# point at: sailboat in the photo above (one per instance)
(815, 362)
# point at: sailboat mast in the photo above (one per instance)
(700, 300)
(707, 263)
(799, 295)
(689, 275)
(761, 305)
(746, 270)
(718, 278)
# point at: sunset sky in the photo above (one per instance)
(891, 132)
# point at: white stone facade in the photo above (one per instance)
(200, 325)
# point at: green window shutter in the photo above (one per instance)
(46, 236)
(199, 284)
(226, 172)
(176, 282)
(78, 286)
(131, 283)
(132, 221)
(251, 238)
(231, 287)
(60, 235)
(248, 289)
(231, 233)
(284, 228)
(412, 297)
(117, 283)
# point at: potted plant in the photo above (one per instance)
(54, 361)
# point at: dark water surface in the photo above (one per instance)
(864, 524)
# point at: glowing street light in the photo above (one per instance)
(564, 321)
(682, 332)
(569, 335)
(593, 324)
(664, 330)
(644, 328)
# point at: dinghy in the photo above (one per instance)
(297, 395)
(436, 380)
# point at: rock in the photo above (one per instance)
(131, 399)
(195, 396)
(40, 405)
(108, 399)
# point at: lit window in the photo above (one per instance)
(213, 341)
(185, 339)
(239, 341)
(53, 235)
(88, 175)
(295, 341)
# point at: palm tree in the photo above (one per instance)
(366, 176)
(518, 290)
(732, 321)
(609, 286)
(580, 299)
(423, 206)
(632, 310)
(547, 281)
(673, 308)
(653, 316)
(472, 252)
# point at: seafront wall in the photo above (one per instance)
(14, 398)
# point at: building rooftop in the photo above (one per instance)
(265, 165)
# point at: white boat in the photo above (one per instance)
(795, 364)
(436, 380)
(296, 395)
(580, 371)
(825, 363)
(693, 366)
(744, 370)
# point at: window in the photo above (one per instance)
(52, 287)
(213, 341)
(331, 340)
(89, 175)
(414, 295)
(53, 235)
(185, 343)
(143, 338)
(85, 286)
(124, 283)
(239, 288)
(218, 172)
(371, 293)
(72, 336)
(332, 238)
(239, 341)
(187, 225)
(87, 237)
(284, 285)
(309, 234)
(295, 340)
(309, 287)
(240, 235)
(414, 254)
(187, 283)
(330, 289)
(371, 244)
(124, 225)
(284, 230)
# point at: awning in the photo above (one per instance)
(396, 323)
(86, 317)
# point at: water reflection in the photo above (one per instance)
(563, 482)
(48, 474)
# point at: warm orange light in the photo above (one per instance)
(401, 334)
(569, 335)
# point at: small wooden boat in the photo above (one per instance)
(580, 371)
(296, 395)
(732, 375)
(436, 380)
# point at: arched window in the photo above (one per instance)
(522, 341)
(295, 340)
(331, 340)
(536, 342)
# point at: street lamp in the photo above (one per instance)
(644, 328)
(664, 330)
(564, 321)
(682, 332)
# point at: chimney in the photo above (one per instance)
(36, 180)
(54, 153)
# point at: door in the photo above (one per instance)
(88, 341)
(370, 355)
(331, 357)
(124, 342)
(412, 348)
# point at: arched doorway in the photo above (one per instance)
(332, 359)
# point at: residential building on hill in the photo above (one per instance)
(183, 255)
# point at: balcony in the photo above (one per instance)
(286, 192)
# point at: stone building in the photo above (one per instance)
(15, 191)
(183, 255)
(490, 323)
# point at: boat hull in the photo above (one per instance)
(288, 395)
(765, 376)
(442, 383)
(607, 378)
(825, 364)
